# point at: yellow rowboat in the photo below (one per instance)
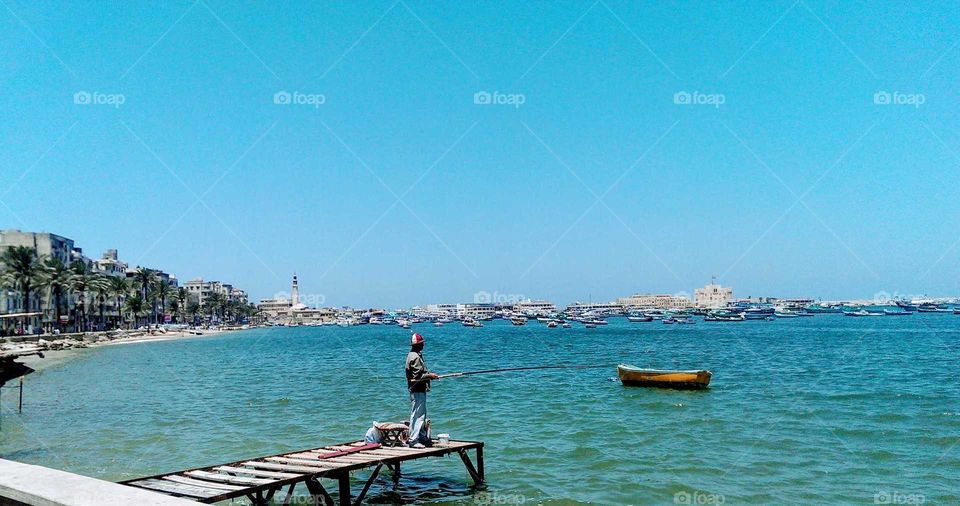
(635, 377)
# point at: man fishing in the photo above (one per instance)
(418, 382)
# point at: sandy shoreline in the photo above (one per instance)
(63, 348)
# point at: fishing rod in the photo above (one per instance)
(530, 368)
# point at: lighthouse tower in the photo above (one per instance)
(295, 291)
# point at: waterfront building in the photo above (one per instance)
(449, 310)
(712, 296)
(110, 264)
(535, 307)
(654, 301)
(290, 311)
(201, 290)
(591, 307)
(45, 245)
(163, 276)
(476, 310)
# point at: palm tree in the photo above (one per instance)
(101, 285)
(135, 306)
(193, 309)
(120, 288)
(217, 304)
(163, 290)
(80, 279)
(182, 297)
(21, 268)
(143, 278)
(57, 277)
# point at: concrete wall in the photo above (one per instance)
(42, 486)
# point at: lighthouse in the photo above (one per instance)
(295, 291)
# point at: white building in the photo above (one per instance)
(110, 264)
(535, 307)
(712, 296)
(476, 310)
(657, 301)
(200, 290)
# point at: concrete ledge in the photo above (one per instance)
(42, 486)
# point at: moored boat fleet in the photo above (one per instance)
(734, 312)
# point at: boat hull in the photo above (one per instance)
(684, 380)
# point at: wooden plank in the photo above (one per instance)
(320, 464)
(201, 483)
(254, 472)
(353, 458)
(228, 479)
(178, 489)
(289, 468)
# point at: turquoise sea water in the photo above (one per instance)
(828, 409)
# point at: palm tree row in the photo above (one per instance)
(143, 298)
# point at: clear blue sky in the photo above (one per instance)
(798, 184)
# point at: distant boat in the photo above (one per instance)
(686, 321)
(821, 308)
(437, 324)
(932, 308)
(553, 324)
(896, 312)
(635, 377)
(906, 306)
(668, 321)
(861, 312)
(786, 314)
(589, 325)
(518, 320)
(470, 322)
(565, 325)
(724, 318)
(639, 319)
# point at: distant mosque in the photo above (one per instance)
(291, 311)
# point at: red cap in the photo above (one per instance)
(416, 339)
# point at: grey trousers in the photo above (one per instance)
(418, 418)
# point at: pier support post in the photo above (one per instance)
(395, 470)
(480, 463)
(477, 478)
(366, 487)
(343, 485)
(317, 492)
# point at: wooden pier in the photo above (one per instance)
(262, 479)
